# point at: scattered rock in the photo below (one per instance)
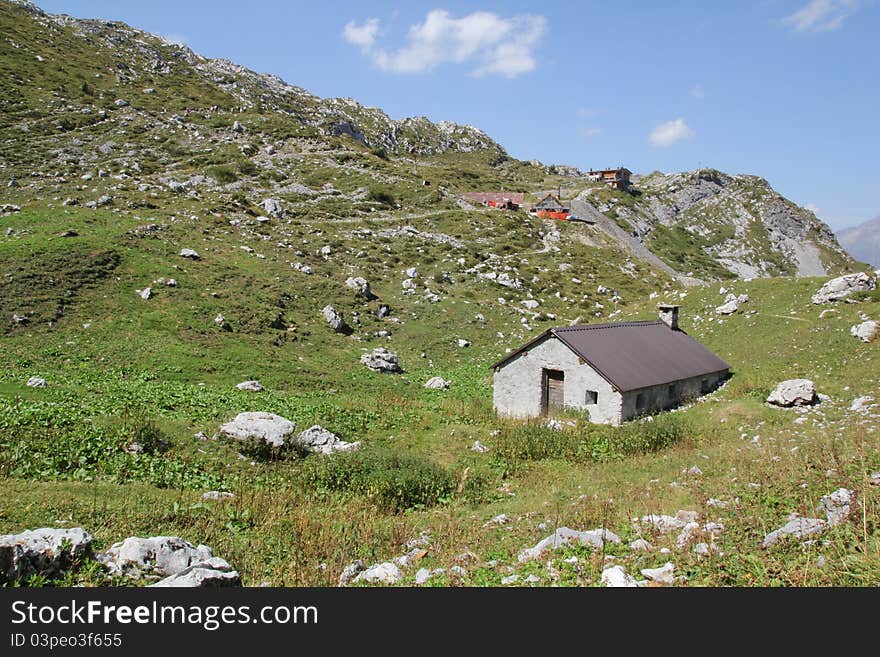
(237, 127)
(862, 404)
(695, 471)
(510, 579)
(497, 521)
(383, 311)
(663, 575)
(259, 427)
(422, 576)
(797, 528)
(145, 294)
(381, 360)
(272, 207)
(36, 382)
(250, 386)
(479, 447)
(663, 524)
(383, 573)
(213, 572)
(641, 545)
(843, 286)
(728, 308)
(866, 331)
(463, 343)
(793, 392)
(437, 383)
(217, 495)
(565, 536)
(46, 551)
(157, 555)
(617, 577)
(837, 505)
(190, 253)
(361, 287)
(318, 439)
(351, 571)
(335, 320)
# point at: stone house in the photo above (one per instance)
(613, 371)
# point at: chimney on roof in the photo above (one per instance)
(669, 314)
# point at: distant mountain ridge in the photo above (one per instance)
(862, 242)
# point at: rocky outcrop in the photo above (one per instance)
(335, 320)
(259, 429)
(318, 439)
(866, 331)
(843, 286)
(794, 392)
(565, 536)
(381, 360)
(47, 552)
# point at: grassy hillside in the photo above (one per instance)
(101, 197)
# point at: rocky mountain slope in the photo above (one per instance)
(862, 242)
(710, 224)
(83, 98)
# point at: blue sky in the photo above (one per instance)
(785, 89)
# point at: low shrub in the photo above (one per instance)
(391, 480)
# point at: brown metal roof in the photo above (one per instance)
(632, 355)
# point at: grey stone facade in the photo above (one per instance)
(518, 387)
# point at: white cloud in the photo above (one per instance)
(589, 133)
(697, 91)
(587, 112)
(670, 132)
(361, 35)
(821, 15)
(488, 42)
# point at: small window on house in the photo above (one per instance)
(704, 386)
(640, 400)
(592, 397)
(672, 391)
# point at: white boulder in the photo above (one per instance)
(259, 427)
(46, 551)
(211, 573)
(617, 577)
(317, 439)
(566, 536)
(866, 331)
(250, 386)
(437, 383)
(381, 360)
(843, 286)
(793, 392)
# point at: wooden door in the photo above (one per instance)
(553, 396)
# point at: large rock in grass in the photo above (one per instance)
(46, 551)
(837, 506)
(617, 577)
(257, 427)
(335, 320)
(566, 536)
(381, 360)
(361, 287)
(211, 573)
(318, 439)
(866, 331)
(797, 528)
(793, 392)
(843, 286)
(383, 573)
(157, 555)
(437, 383)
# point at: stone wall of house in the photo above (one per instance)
(517, 384)
(656, 398)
